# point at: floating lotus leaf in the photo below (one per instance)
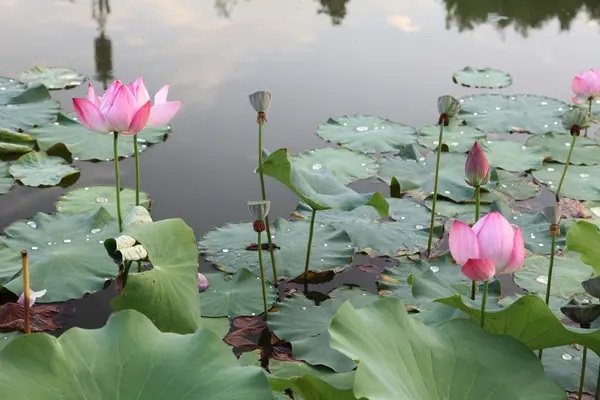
(23, 107)
(518, 188)
(321, 190)
(39, 169)
(168, 293)
(581, 182)
(563, 364)
(404, 233)
(401, 358)
(512, 156)
(556, 146)
(584, 238)
(488, 78)
(128, 358)
(346, 165)
(226, 247)
(235, 295)
(53, 77)
(7, 337)
(367, 133)
(458, 138)
(6, 181)
(305, 326)
(88, 145)
(66, 255)
(91, 199)
(499, 113)
(463, 211)
(218, 326)
(12, 142)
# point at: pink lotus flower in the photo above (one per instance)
(479, 269)
(492, 238)
(477, 167)
(586, 86)
(203, 282)
(125, 109)
(33, 296)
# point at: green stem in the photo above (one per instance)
(582, 375)
(589, 113)
(550, 267)
(484, 301)
(117, 179)
(262, 275)
(435, 187)
(564, 173)
(263, 193)
(139, 263)
(310, 238)
(137, 170)
(597, 394)
(477, 206)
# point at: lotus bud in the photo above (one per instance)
(553, 214)
(448, 107)
(581, 313)
(575, 120)
(592, 286)
(259, 211)
(203, 282)
(477, 167)
(33, 296)
(260, 102)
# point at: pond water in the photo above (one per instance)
(319, 59)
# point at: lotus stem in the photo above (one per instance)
(137, 170)
(477, 206)
(582, 375)
(308, 247)
(263, 193)
(117, 179)
(435, 187)
(564, 173)
(589, 113)
(262, 275)
(25, 272)
(550, 267)
(483, 302)
(597, 394)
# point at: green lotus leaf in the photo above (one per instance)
(12, 142)
(305, 326)
(88, 145)
(23, 107)
(168, 293)
(348, 166)
(226, 247)
(6, 180)
(463, 211)
(7, 337)
(499, 113)
(401, 358)
(66, 255)
(52, 77)
(516, 187)
(581, 182)
(404, 233)
(556, 146)
(512, 156)
(91, 199)
(235, 295)
(488, 78)
(584, 238)
(39, 169)
(321, 190)
(563, 364)
(367, 134)
(128, 358)
(458, 138)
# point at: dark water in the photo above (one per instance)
(391, 58)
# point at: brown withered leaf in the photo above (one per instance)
(264, 246)
(12, 317)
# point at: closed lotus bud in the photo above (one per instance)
(477, 167)
(449, 106)
(203, 283)
(583, 314)
(260, 101)
(576, 119)
(259, 209)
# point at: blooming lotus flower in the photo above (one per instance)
(492, 238)
(163, 111)
(477, 167)
(586, 86)
(33, 296)
(479, 269)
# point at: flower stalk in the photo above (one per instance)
(435, 183)
(117, 179)
(26, 293)
(309, 245)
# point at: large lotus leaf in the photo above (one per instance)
(88, 145)
(39, 169)
(235, 295)
(52, 77)
(346, 165)
(512, 156)
(12, 142)
(6, 181)
(463, 211)
(531, 321)
(596, 108)
(66, 255)
(488, 78)
(7, 337)
(499, 113)
(320, 189)
(226, 247)
(563, 364)
(518, 188)
(458, 138)
(420, 175)
(168, 293)
(567, 275)
(401, 358)
(556, 146)
(23, 107)
(581, 182)
(305, 326)
(91, 199)
(127, 359)
(404, 233)
(366, 133)
(583, 237)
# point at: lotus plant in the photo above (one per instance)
(261, 102)
(260, 211)
(448, 107)
(491, 247)
(28, 297)
(586, 87)
(124, 110)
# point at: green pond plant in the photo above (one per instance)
(260, 211)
